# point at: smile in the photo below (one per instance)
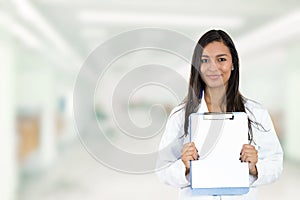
(214, 77)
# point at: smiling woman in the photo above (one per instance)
(214, 87)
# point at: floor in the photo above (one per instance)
(76, 175)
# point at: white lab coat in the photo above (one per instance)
(172, 170)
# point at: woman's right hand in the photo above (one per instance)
(188, 153)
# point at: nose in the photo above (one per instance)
(213, 66)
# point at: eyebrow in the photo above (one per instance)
(219, 55)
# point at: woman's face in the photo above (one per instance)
(216, 65)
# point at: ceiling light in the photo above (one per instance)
(20, 32)
(282, 29)
(31, 14)
(158, 19)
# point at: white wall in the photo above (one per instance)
(8, 169)
(292, 131)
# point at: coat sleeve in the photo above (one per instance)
(170, 168)
(270, 154)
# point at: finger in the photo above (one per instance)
(249, 158)
(188, 158)
(191, 147)
(192, 154)
(195, 156)
(191, 144)
(191, 151)
(244, 157)
(249, 152)
(248, 147)
(188, 145)
(188, 148)
(185, 147)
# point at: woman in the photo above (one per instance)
(214, 87)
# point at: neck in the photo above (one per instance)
(214, 98)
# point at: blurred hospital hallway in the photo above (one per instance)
(113, 70)
(76, 175)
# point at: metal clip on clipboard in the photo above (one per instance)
(218, 116)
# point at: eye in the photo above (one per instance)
(222, 59)
(204, 60)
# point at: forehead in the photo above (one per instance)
(216, 48)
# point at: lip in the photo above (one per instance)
(214, 76)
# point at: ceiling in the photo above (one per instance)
(69, 30)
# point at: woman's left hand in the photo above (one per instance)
(249, 154)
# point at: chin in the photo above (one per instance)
(216, 86)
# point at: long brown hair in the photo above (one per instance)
(235, 102)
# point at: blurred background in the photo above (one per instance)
(44, 43)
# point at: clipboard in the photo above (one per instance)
(219, 138)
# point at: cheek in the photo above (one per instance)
(226, 72)
(227, 75)
(203, 68)
(226, 69)
(202, 72)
